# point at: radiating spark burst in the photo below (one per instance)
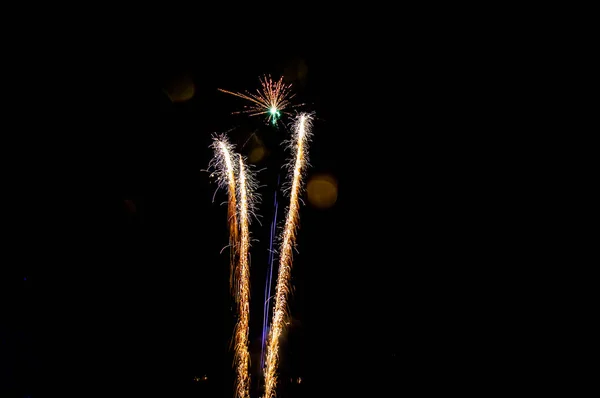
(225, 169)
(272, 100)
(299, 142)
(245, 186)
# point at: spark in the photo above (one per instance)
(242, 332)
(224, 171)
(301, 135)
(241, 208)
(271, 99)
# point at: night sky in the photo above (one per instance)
(126, 287)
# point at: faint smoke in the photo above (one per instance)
(180, 89)
(296, 71)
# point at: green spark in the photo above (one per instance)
(274, 114)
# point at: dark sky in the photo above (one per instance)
(134, 291)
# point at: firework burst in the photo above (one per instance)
(299, 145)
(271, 99)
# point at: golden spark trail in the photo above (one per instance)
(241, 207)
(242, 332)
(301, 134)
(225, 170)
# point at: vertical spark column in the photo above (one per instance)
(301, 135)
(242, 328)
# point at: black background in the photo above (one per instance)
(389, 282)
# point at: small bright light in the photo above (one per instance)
(273, 111)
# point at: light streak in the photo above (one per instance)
(301, 134)
(272, 100)
(269, 283)
(224, 171)
(242, 329)
(242, 202)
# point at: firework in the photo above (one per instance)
(245, 186)
(271, 99)
(225, 169)
(241, 208)
(301, 134)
